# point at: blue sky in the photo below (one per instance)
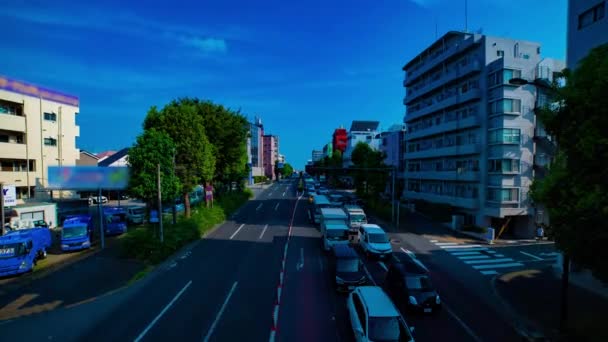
(305, 67)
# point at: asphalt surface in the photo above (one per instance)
(224, 288)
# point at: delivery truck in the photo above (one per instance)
(77, 232)
(20, 249)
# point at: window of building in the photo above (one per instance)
(50, 142)
(10, 108)
(509, 74)
(50, 116)
(4, 138)
(500, 53)
(592, 15)
(503, 165)
(505, 106)
(503, 195)
(504, 136)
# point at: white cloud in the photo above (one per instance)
(204, 44)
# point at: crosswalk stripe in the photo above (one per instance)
(490, 272)
(466, 253)
(491, 261)
(475, 249)
(473, 257)
(515, 264)
(459, 246)
(446, 243)
(433, 241)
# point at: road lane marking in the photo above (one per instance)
(465, 253)
(276, 206)
(477, 249)
(470, 257)
(531, 255)
(259, 206)
(263, 231)
(515, 264)
(219, 314)
(410, 253)
(237, 231)
(460, 246)
(433, 241)
(446, 243)
(491, 272)
(462, 323)
(499, 255)
(490, 261)
(143, 333)
(414, 259)
(382, 265)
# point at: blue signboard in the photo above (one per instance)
(154, 216)
(88, 178)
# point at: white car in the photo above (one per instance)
(98, 199)
(373, 241)
(374, 317)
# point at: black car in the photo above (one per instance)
(411, 288)
(346, 268)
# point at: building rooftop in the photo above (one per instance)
(114, 157)
(364, 126)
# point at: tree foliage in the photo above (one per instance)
(152, 148)
(194, 155)
(575, 191)
(369, 176)
(287, 170)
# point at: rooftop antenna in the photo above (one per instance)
(466, 18)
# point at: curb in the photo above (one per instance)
(523, 325)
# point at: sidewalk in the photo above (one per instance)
(535, 296)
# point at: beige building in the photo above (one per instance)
(37, 130)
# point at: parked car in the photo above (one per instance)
(346, 268)
(374, 317)
(97, 200)
(373, 241)
(136, 214)
(410, 287)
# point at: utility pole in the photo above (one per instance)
(101, 231)
(2, 208)
(160, 203)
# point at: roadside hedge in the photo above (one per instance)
(143, 243)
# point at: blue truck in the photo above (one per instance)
(20, 250)
(77, 232)
(115, 220)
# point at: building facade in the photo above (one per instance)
(271, 154)
(256, 148)
(118, 159)
(37, 129)
(587, 28)
(317, 155)
(361, 131)
(328, 150)
(340, 139)
(471, 134)
(392, 145)
(87, 159)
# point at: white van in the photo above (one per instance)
(334, 234)
(356, 216)
(136, 214)
(373, 241)
(331, 216)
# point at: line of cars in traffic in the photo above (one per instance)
(374, 311)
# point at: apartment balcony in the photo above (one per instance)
(544, 141)
(502, 210)
(433, 61)
(470, 95)
(15, 123)
(447, 77)
(471, 121)
(461, 202)
(12, 151)
(18, 178)
(445, 151)
(465, 176)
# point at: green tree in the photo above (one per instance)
(287, 170)
(152, 148)
(195, 156)
(374, 179)
(575, 190)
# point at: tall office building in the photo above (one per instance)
(256, 148)
(472, 136)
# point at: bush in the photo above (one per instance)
(260, 179)
(143, 243)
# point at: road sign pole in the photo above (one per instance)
(101, 231)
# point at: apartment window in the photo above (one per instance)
(50, 116)
(503, 195)
(500, 53)
(592, 15)
(11, 108)
(503, 165)
(505, 106)
(50, 142)
(3, 138)
(508, 74)
(504, 136)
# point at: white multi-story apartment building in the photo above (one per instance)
(37, 130)
(471, 135)
(361, 131)
(587, 28)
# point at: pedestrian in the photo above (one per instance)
(540, 233)
(209, 194)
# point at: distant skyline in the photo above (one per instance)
(305, 68)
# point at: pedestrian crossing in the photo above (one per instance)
(480, 257)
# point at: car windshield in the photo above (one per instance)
(336, 234)
(384, 329)
(357, 217)
(347, 265)
(138, 211)
(377, 238)
(418, 283)
(74, 231)
(12, 249)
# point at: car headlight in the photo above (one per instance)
(413, 300)
(437, 300)
(23, 265)
(86, 243)
(339, 280)
(64, 246)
